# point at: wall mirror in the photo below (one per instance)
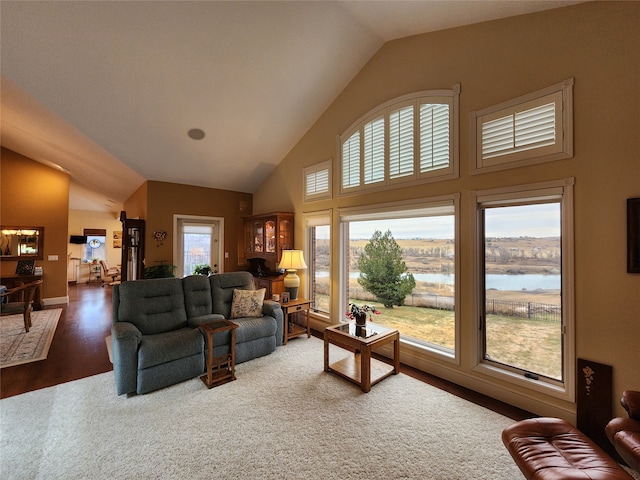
(21, 243)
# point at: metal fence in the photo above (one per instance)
(532, 310)
(529, 310)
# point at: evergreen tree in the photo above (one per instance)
(383, 272)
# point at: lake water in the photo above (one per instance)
(494, 281)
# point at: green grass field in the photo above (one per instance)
(533, 345)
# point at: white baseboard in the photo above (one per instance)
(56, 301)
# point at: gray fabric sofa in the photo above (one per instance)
(156, 341)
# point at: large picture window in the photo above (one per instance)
(420, 238)
(524, 282)
(410, 139)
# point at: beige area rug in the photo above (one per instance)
(283, 418)
(18, 347)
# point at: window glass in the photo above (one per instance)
(522, 288)
(417, 248)
(95, 248)
(320, 256)
(196, 241)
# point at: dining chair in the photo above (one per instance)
(23, 307)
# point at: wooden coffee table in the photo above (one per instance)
(360, 368)
(221, 369)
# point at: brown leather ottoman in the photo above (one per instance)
(552, 449)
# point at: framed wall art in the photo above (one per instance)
(633, 235)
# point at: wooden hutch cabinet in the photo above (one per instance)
(264, 238)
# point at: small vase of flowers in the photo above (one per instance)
(359, 313)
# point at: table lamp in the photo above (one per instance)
(291, 261)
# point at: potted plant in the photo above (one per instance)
(159, 271)
(203, 269)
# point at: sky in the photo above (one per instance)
(523, 220)
(403, 228)
(541, 220)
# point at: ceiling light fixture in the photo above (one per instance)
(196, 134)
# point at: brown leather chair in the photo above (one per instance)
(553, 449)
(20, 307)
(624, 433)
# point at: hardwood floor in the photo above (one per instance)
(79, 350)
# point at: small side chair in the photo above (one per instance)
(107, 271)
(21, 307)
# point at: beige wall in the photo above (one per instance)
(33, 194)
(136, 204)
(595, 43)
(163, 200)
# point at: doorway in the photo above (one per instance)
(198, 241)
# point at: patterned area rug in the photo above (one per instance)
(18, 347)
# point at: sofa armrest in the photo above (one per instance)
(274, 309)
(631, 403)
(125, 338)
(195, 322)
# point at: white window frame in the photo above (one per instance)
(406, 209)
(310, 177)
(563, 190)
(561, 95)
(178, 219)
(315, 219)
(351, 144)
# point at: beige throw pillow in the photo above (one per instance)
(247, 303)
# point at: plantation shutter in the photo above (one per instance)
(351, 161)
(519, 131)
(374, 151)
(317, 182)
(435, 151)
(401, 142)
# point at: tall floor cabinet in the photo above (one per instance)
(132, 247)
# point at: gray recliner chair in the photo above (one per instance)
(255, 337)
(154, 344)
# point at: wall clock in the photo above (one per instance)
(95, 243)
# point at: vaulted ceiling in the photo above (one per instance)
(109, 91)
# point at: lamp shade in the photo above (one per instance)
(292, 260)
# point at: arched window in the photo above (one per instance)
(410, 139)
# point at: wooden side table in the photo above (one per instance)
(361, 368)
(221, 369)
(290, 328)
